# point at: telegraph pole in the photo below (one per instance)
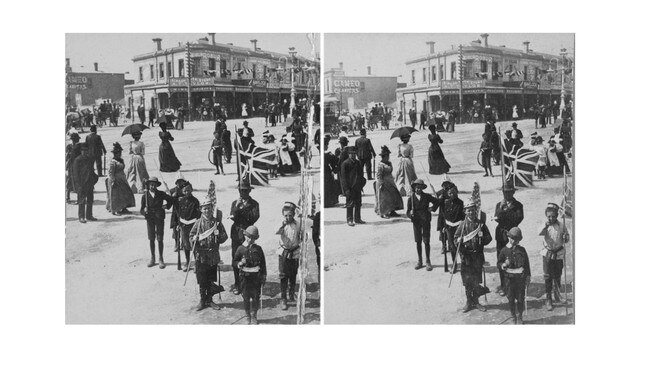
(460, 84)
(188, 68)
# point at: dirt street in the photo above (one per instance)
(107, 279)
(369, 269)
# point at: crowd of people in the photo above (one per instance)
(197, 226)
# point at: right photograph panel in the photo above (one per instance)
(449, 178)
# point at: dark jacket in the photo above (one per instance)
(245, 214)
(365, 151)
(156, 210)
(95, 145)
(471, 251)
(518, 258)
(83, 174)
(419, 210)
(254, 257)
(507, 218)
(352, 176)
(452, 211)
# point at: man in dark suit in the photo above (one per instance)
(419, 211)
(244, 212)
(423, 119)
(413, 116)
(84, 179)
(365, 152)
(352, 183)
(153, 113)
(95, 148)
(141, 114)
(154, 212)
(508, 214)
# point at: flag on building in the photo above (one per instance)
(519, 166)
(255, 163)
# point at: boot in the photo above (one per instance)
(202, 303)
(419, 265)
(514, 320)
(283, 304)
(254, 318)
(152, 262)
(292, 296)
(429, 266)
(162, 263)
(549, 304)
(469, 303)
(520, 319)
(248, 318)
(479, 307)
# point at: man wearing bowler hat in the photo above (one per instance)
(508, 214)
(365, 152)
(84, 179)
(419, 208)
(471, 236)
(352, 183)
(244, 212)
(96, 148)
(154, 212)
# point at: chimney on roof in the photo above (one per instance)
(212, 37)
(96, 66)
(341, 65)
(254, 43)
(158, 43)
(527, 44)
(369, 70)
(431, 47)
(485, 39)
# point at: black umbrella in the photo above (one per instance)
(406, 130)
(134, 127)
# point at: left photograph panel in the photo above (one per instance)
(192, 178)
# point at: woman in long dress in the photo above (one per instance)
(387, 196)
(137, 174)
(331, 186)
(437, 162)
(168, 160)
(119, 194)
(405, 174)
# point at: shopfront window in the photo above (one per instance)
(453, 71)
(495, 71)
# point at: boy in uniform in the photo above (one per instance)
(206, 252)
(419, 211)
(555, 238)
(250, 260)
(288, 252)
(471, 236)
(513, 260)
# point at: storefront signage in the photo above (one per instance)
(529, 84)
(467, 84)
(182, 82)
(78, 82)
(258, 83)
(351, 86)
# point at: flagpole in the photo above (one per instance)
(237, 158)
(503, 173)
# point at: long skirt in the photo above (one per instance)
(387, 197)
(332, 190)
(405, 176)
(119, 194)
(437, 162)
(168, 160)
(137, 174)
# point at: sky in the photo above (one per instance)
(114, 51)
(387, 53)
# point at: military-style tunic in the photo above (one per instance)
(189, 211)
(471, 237)
(452, 214)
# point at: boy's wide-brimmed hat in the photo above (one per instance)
(418, 182)
(252, 232)
(153, 180)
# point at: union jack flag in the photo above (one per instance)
(255, 163)
(519, 166)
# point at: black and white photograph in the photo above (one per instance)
(192, 171)
(449, 168)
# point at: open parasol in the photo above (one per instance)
(134, 127)
(399, 132)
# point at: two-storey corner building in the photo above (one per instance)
(496, 75)
(219, 73)
(354, 93)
